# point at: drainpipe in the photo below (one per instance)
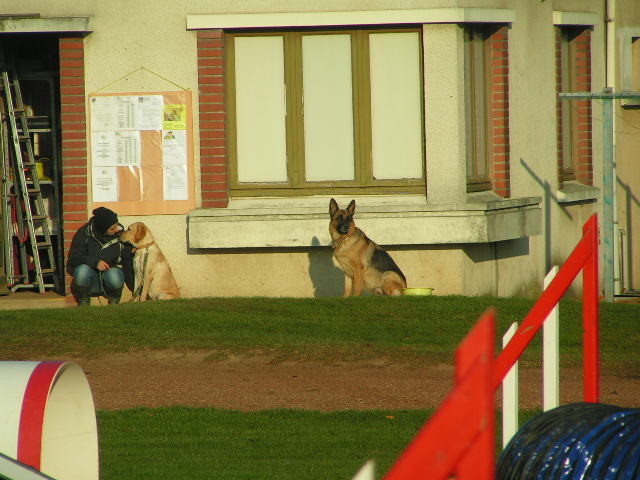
(610, 82)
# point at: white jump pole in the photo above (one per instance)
(551, 353)
(509, 394)
(47, 419)
(367, 471)
(14, 470)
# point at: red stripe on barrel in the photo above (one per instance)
(32, 413)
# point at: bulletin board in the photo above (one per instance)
(142, 152)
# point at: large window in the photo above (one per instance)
(326, 112)
(573, 74)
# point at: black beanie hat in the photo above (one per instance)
(103, 218)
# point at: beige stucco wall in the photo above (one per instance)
(532, 130)
(444, 113)
(628, 198)
(128, 35)
(286, 272)
(301, 272)
(627, 123)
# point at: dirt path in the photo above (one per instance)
(201, 379)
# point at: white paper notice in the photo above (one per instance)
(103, 113)
(174, 147)
(128, 148)
(115, 149)
(149, 112)
(103, 149)
(126, 113)
(175, 182)
(105, 184)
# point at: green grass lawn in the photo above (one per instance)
(201, 443)
(402, 329)
(194, 443)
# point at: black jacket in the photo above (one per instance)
(89, 248)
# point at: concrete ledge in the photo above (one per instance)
(387, 221)
(575, 192)
(575, 18)
(349, 17)
(44, 24)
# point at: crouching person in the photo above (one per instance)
(99, 263)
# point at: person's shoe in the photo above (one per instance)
(113, 296)
(84, 301)
(82, 295)
(113, 300)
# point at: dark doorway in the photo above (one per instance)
(34, 60)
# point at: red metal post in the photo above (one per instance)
(590, 315)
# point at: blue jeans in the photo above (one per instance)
(112, 280)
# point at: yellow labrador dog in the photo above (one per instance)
(153, 277)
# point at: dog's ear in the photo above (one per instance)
(352, 207)
(333, 207)
(140, 232)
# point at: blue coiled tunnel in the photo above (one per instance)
(574, 442)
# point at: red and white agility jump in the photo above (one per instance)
(458, 440)
(47, 419)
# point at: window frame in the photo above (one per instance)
(630, 65)
(567, 81)
(477, 96)
(635, 63)
(574, 122)
(363, 182)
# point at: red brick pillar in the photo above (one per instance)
(74, 141)
(499, 117)
(214, 174)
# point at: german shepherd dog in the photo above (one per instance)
(363, 262)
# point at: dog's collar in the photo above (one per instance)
(142, 247)
(338, 243)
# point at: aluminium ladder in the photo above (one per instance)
(22, 198)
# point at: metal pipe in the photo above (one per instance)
(610, 82)
(607, 196)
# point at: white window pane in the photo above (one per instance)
(328, 107)
(396, 99)
(260, 109)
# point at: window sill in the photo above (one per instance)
(573, 192)
(630, 103)
(406, 220)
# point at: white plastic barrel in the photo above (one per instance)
(48, 420)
